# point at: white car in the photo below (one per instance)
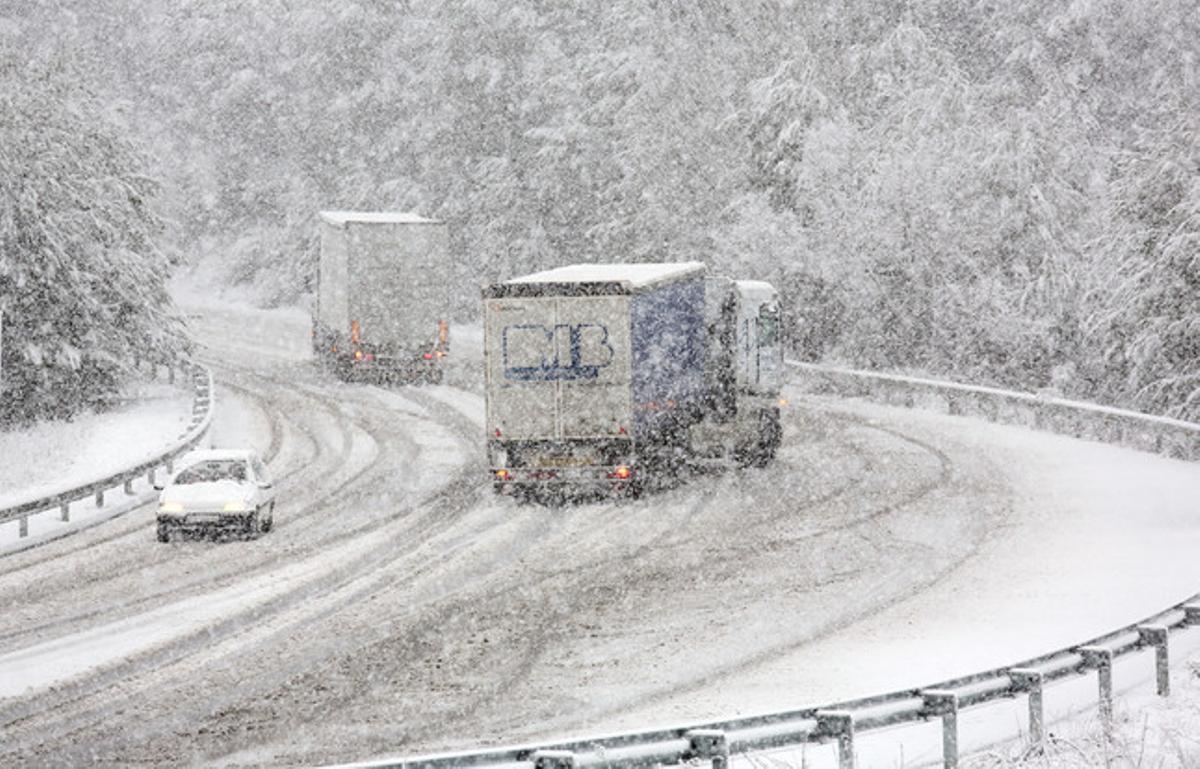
(225, 488)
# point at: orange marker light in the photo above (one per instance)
(502, 474)
(621, 473)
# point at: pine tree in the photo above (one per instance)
(81, 277)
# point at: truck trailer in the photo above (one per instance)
(383, 297)
(605, 376)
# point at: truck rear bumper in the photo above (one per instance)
(563, 481)
(579, 465)
(391, 369)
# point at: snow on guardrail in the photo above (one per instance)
(1147, 432)
(839, 723)
(60, 501)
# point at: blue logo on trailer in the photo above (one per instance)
(542, 346)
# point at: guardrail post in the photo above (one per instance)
(553, 759)
(100, 498)
(128, 486)
(1157, 636)
(150, 477)
(23, 526)
(1099, 658)
(170, 465)
(65, 509)
(710, 744)
(1030, 681)
(1191, 614)
(170, 374)
(944, 703)
(838, 724)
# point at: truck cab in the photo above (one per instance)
(744, 373)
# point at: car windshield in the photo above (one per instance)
(213, 470)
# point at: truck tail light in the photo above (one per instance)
(355, 332)
(621, 472)
(503, 474)
(358, 355)
(428, 356)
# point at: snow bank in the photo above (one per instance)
(52, 456)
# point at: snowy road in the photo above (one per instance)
(399, 608)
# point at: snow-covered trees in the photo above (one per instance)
(993, 192)
(81, 278)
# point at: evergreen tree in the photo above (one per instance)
(81, 278)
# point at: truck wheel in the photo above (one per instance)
(771, 432)
(164, 532)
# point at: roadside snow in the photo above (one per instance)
(49, 456)
(52, 457)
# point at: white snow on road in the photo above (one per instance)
(57, 661)
(1100, 537)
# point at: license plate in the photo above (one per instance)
(204, 518)
(561, 460)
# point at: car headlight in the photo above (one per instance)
(170, 507)
(235, 507)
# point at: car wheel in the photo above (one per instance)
(269, 521)
(254, 523)
(164, 532)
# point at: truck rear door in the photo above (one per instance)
(558, 367)
(519, 343)
(594, 395)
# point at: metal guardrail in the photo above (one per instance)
(1162, 435)
(839, 723)
(715, 742)
(202, 413)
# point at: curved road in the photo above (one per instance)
(399, 607)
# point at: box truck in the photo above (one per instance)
(383, 297)
(607, 375)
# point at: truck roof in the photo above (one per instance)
(597, 279)
(756, 290)
(342, 218)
